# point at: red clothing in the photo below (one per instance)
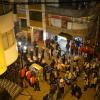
(32, 80)
(22, 73)
(28, 75)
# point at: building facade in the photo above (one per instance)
(31, 20)
(7, 38)
(74, 18)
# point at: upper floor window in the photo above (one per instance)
(34, 1)
(23, 23)
(35, 15)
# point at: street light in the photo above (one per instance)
(19, 43)
(20, 50)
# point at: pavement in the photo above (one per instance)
(29, 93)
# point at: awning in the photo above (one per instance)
(36, 66)
(66, 35)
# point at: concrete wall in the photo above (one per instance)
(9, 55)
(75, 26)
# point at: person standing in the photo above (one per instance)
(42, 53)
(53, 88)
(60, 92)
(31, 54)
(64, 59)
(76, 91)
(32, 81)
(52, 77)
(36, 50)
(86, 83)
(46, 97)
(22, 75)
(67, 47)
(44, 74)
(28, 75)
(37, 85)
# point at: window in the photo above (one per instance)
(23, 23)
(65, 3)
(8, 39)
(35, 15)
(34, 0)
(56, 22)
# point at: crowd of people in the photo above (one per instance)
(62, 69)
(59, 69)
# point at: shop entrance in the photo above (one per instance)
(38, 35)
(62, 42)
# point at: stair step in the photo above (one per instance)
(2, 84)
(7, 84)
(12, 88)
(18, 90)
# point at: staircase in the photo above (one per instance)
(12, 88)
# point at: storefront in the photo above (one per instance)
(38, 35)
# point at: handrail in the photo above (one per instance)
(4, 8)
(5, 12)
(71, 12)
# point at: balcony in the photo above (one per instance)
(4, 9)
(77, 32)
(36, 7)
(22, 15)
(36, 23)
(71, 12)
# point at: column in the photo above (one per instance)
(27, 15)
(44, 21)
(32, 34)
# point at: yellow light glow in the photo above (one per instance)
(3, 67)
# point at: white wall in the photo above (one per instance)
(55, 5)
(6, 22)
(76, 26)
(11, 55)
(55, 22)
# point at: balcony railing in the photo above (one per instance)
(35, 7)
(5, 8)
(72, 32)
(71, 12)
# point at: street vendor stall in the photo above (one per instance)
(36, 69)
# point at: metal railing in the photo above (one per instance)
(4, 8)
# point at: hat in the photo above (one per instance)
(39, 56)
(43, 61)
(34, 58)
(61, 80)
(63, 65)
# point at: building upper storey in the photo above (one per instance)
(5, 7)
(72, 4)
(74, 8)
